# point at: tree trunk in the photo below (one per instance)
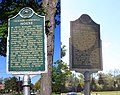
(46, 79)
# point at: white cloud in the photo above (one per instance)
(106, 44)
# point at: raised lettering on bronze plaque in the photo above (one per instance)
(85, 44)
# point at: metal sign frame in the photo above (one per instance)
(26, 14)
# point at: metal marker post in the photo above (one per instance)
(26, 84)
(87, 83)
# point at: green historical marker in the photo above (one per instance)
(26, 43)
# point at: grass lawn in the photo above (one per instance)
(101, 93)
(107, 93)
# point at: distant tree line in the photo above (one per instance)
(75, 82)
(12, 85)
(105, 82)
(63, 80)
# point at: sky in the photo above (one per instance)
(56, 56)
(103, 12)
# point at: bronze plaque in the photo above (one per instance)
(85, 44)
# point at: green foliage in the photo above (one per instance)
(81, 81)
(63, 51)
(99, 87)
(11, 84)
(75, 82)
(93, 84)
(101, 79)
(57, 15)
(60, 74)
(1, 80)
(37, 85)
(7, 84)
(8, 9)
(117, 78)
(72, 82)
(107, 81)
